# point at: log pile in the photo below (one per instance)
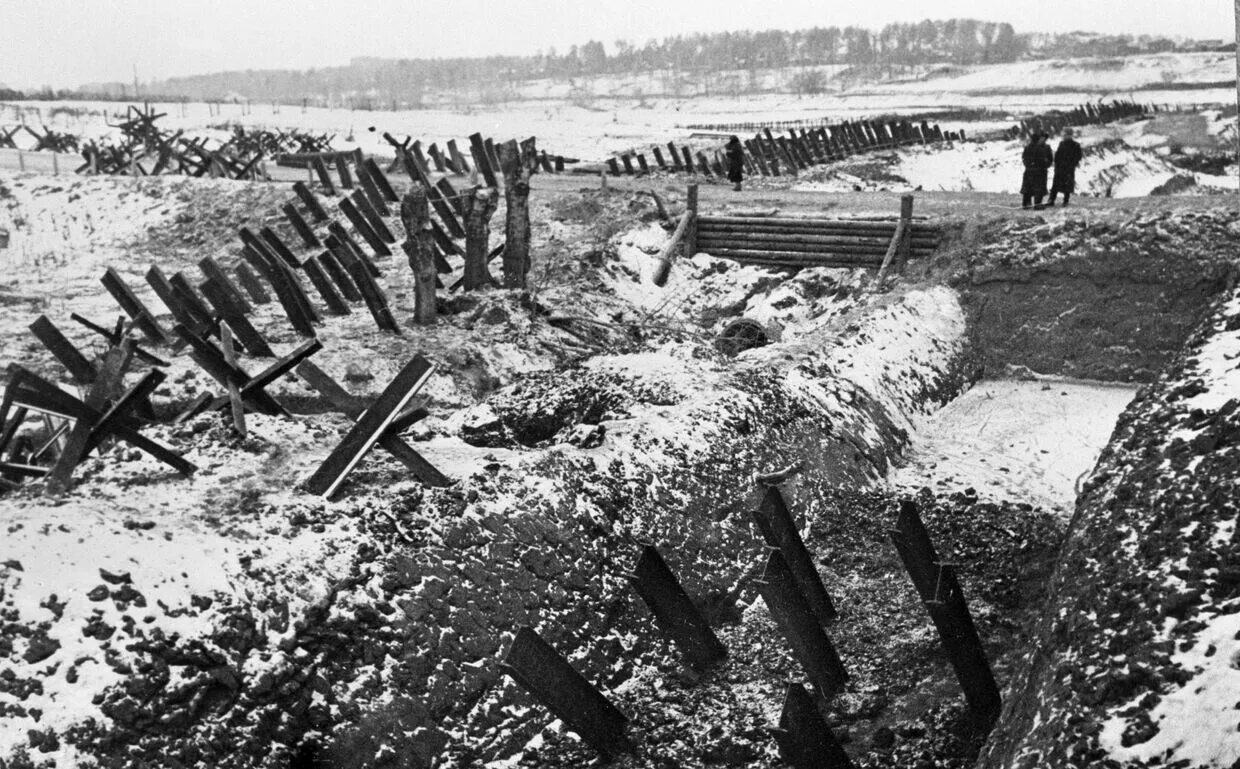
(795, 242)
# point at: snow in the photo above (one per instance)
(1132, 169)
(1219, 363)
(611, 114)
(1029, 441)
(1197, 722)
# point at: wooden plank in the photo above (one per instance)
(349, 251)
(458, 160)
(310, 201)
(300, 225)
(778, 528)
(216, 274)
(363, 227)
(376, 302)
(674, 611)
(212, 360)
(81, 369)
(371, 192)
(373, 217)
(541, 671)
(281, 367)
(329, 261)
(800, 627)
(369, 427)
(250, 281)
(234, 394)
(805, 741)
(381, 181)
(108, 380)
(482, 160)
(325, 179)
(275, 244)
(940, 592)
(342, 170)
(231, 313)
(336, 304)
(181, 311)
(133, 307)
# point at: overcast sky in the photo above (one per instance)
(65, 43)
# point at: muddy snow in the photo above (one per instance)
(1025, 441)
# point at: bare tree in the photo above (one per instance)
(479, 205)
(518, 164)
(415, 214)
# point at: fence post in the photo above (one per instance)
(21, 161)
(691, 207)
(674, 611)
(940, 592)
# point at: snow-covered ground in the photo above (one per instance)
(1030, 441)
(1122, 160)
(624, 115)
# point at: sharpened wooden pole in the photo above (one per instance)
(415, 215)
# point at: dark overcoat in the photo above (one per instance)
(1037, 159)
(736, 162)
(1067, 157)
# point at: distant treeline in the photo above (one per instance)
(865, 53)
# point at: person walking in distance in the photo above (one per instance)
(736, 162)
(1067, 158)
(1037, 159)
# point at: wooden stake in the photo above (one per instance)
(415, 215)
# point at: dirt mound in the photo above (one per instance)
(1138, 645)
(1109, 297)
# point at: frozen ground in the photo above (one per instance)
(1023, 441)
(622, 113)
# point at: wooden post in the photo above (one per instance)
(415, 215)
(482, 160)
(778, 528)
(805, 741)
(480, 204)
(55, 164)
(674, 611)
(21, 158)
(796, 621)
(691, 206)
(517, 163)
(552, 680)
(900, 240)
(663, 265)
(940, 592)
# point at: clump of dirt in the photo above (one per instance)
(1109, 297)
(901, 704)
(1138, 643)
(1176, 185)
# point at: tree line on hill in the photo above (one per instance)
(860, 53)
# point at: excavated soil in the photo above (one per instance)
(234, 621)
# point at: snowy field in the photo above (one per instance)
(1029, 441)
(622, 115)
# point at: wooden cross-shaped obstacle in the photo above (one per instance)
(221, 364)
(93, 419)
(374, 425)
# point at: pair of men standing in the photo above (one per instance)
(1038, 160)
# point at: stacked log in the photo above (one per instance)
(804, 242)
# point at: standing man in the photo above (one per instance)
(735, 155)
(1067, 158)
(1037, 159)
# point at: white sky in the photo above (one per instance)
(65, 43)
